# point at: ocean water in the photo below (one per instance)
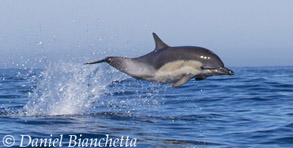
(253, 108)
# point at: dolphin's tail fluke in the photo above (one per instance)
(100, 61)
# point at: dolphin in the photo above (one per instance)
(168, 64)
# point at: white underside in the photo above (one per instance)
(174, 71)
(169, 73)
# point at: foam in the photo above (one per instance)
(69, 88)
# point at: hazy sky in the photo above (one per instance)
(242, 32)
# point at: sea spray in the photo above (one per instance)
(69, 88)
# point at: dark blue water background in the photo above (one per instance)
(253, 108)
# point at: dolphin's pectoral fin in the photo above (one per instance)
(183, 80)
(198, 78)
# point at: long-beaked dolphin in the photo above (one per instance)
(171, 64)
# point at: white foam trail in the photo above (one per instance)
(67, 88)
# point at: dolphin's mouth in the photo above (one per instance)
(220, 70)
(227, 71)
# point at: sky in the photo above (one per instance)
(241, 33)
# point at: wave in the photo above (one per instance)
(68, 88)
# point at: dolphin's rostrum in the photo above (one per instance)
(171, 64)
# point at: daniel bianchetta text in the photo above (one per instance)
(77, 141)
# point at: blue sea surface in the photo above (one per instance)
(251, 109)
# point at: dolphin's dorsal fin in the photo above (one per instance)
(159, 43)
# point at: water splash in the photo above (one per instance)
(67, 88)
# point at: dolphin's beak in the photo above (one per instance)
(227, 71)
(231, 72)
